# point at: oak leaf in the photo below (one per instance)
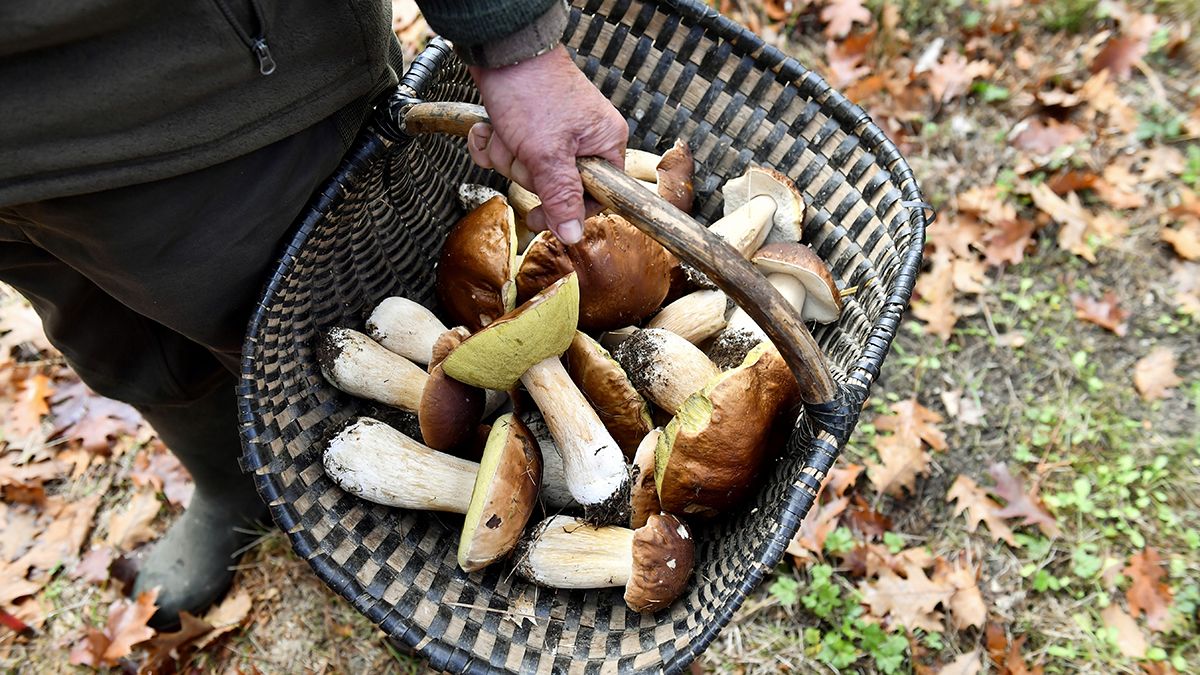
(1148, 594)
(965, 409)
(126, 627)
(166, 648)
(1184, 239)
(20, 326)
(910, 601)
(1119, 55)
(1042, 138)
(901, 453)
(841, 15)
(815, 529)
(935, 297)
(1020, 504)
(845, 63)
(1130, 640)
(81, 414)
(226, 616)
(950, 77)
(1077, 226)
(987, 202)
(160, 469)
(1185, 279)
(841, 478)
(963, 664)
(25, 415)
(966, 605)
(1119, 188)
(93, 567)
(866, 521)
(1154, 374)
(1008, 241)
(130, 526)
(979, 508)
(1105, 312)
(1005, 656)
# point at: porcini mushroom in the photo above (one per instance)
(623, 273)
(674, 174)
(449, 409)
(606, 386)
(641, 165)
(801, 277)
(710, 453)
(694, 317)
(359, 366)
(758, 203)
(474, 272)
(524, 345)
(653, 562)
(664, 367)
(643, 496)
(555, 494)
(474, 195)
(405, 327)
(382, 465)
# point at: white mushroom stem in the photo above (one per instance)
(788, 286)
(612, 338)
(649, 185)
(567, 553)
(382, 465)
(554, 492)
(359, 366)
(694, 317)
(406, 328)
(664, 367)
(746, 228)
(592, 461)
(642, 165)
(473, 195)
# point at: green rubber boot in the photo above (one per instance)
(191, 564)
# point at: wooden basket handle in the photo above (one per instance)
(679, 234)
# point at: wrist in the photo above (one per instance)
(534, 39)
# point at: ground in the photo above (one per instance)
(1054, 332)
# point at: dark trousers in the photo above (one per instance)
(147, 289)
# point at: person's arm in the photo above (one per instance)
(544, 111)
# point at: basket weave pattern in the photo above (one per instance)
(676, 70)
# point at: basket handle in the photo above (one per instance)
(681, 235)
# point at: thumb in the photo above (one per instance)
(558, 184)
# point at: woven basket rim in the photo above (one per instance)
(381, 134)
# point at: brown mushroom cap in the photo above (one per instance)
(606, 386)
(788, 221)
(474, 273)
(663, 556)
(450, 410)
(623, 273)
(497, 356)
(823, 302)
(643, 495)
(506, 489)
(675, 176)
(710, 453)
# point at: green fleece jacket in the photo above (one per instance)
(99, 94)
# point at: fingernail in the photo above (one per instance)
(481, 137)
(569, 232)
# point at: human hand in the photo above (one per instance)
(544, 113)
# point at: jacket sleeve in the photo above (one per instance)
(493, 33)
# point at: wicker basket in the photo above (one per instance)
(677, 70)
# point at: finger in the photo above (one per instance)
(522, 175)
(535, 220)
(478, 140)
(557, 182)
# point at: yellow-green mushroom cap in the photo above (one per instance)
(497, 356)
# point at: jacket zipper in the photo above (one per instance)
(258, 43)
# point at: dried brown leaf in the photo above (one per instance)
(1148, 594)
(910, 600)
(1105, 312)
(166, 648)
(1019, 503)
(20, 326)
(845, 60)
(820, 521)
(1184, 239)
(935, 297)
(963, 664)
(1130, 640)
(93, 567)
(1008, 241)
(25, 415)
(228, 615)
(951, 76)
(80, 414)
(841, 477)
(841, 15)
(866, 521)
(160, 469)
(966, 605)
(131, 525)
(901, 453)
(971, 499)
(1118, 56)
(1154, 374)
(1044, 137)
